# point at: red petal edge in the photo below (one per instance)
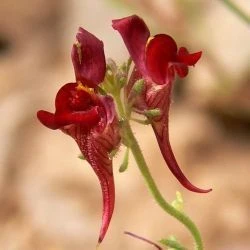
(135, 35)
(47, 119)
(188, 59)
(167, 153)
(87, 119)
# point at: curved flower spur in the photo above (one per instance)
(88, 117)
(156, 60)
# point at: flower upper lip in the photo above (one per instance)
(88, 59)
(135, 34)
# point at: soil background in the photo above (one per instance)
(51, 200)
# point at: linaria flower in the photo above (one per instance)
(88, 117)
(157, 60)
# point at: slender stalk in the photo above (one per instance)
(237, 10)
(139, 158)
(117, 97)
(184, 219)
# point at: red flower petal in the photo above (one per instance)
(181, 69)
(110, 111)
(70, 98)
(188, 59)
(73, 106)
(135, 35)
(86, 118)
(161, 50)
(88, 59)
(47, 119)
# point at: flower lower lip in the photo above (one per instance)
(56, 121)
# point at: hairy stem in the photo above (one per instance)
(184, 219)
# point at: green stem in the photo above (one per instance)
(117, 97)
(184, 219)
(236, 9)
(135, 149)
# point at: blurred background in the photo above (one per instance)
(51, 200)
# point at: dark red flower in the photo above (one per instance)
(88, 117)
(157, 60)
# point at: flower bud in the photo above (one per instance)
(138, 86)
